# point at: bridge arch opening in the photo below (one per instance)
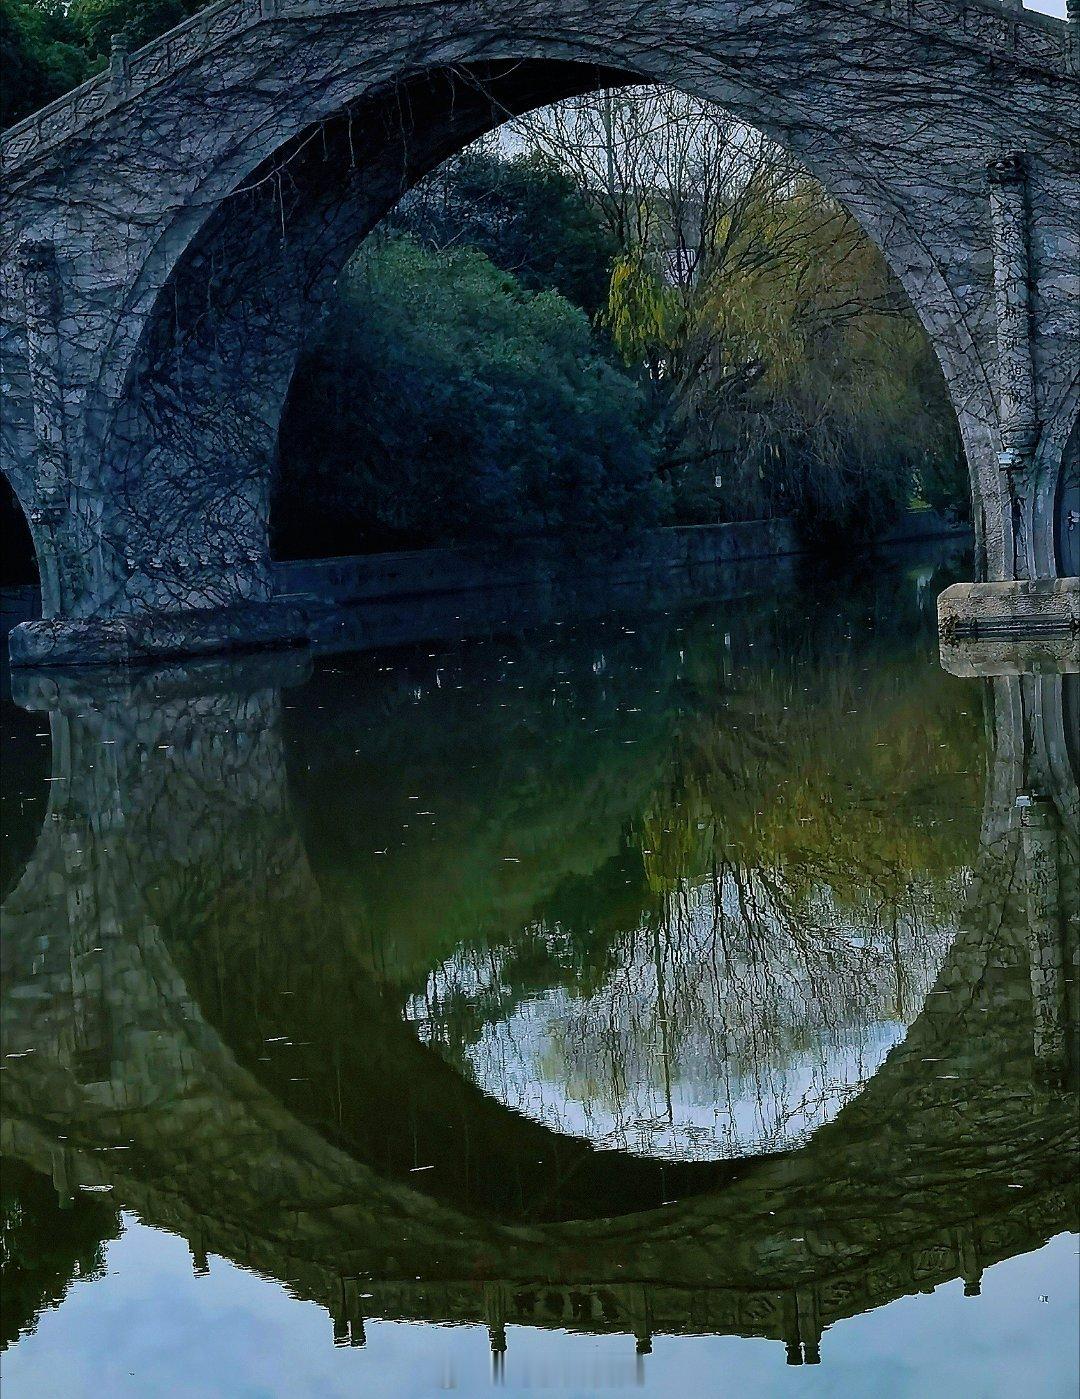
(18, 562)
(1067, 507)
(193, 428)
(761, 358)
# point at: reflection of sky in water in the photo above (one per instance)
(720, 1034)
(150, 1328)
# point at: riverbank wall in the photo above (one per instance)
(698, 554)
(420, 572)
(533, 564)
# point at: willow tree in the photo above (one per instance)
(783, 357)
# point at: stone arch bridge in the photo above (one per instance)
(172, 229)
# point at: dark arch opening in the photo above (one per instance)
(306, 527)
(195, 433)
(18, 561)
(1067, 508)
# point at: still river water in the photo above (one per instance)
(676, 999)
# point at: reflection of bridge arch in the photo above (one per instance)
(160, 885)
(915, 1181)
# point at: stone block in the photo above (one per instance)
(154, 636)
(1025, 608)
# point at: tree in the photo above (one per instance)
(444, 403)
(786, 368)
(524, 213)
(42, 56)
(43, 1248)
(47, 47)
(138, 20)
(801, 378)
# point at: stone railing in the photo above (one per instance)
(1028, 37)
(129, 78)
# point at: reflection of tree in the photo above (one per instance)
(43, 1249)
(540, 763)
(848, 813)
(275, 1106)
(492, 775)
(788, 889)
(710, 1032)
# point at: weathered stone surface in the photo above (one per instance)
(971, 657)
(172, 231)
(1031, 607)
(144, 636)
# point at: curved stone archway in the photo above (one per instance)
(174, 226)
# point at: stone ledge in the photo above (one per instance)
(981, 658)
(1025, 608)
(531, 563)
(137, 638)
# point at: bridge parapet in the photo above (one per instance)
(1027, 37)
(796, 1311)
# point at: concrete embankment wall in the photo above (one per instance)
(376, 577)
(420, 572)
(700, 554)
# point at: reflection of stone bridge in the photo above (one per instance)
(169, 817)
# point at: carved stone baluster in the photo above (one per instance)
(119, 64)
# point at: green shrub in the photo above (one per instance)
(42, 56)
(524, 213)
(445, 403)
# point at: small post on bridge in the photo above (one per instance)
(119, 66)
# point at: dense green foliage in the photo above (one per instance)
(446, 402)
(524, 213)
(42, 54)
(48, 47)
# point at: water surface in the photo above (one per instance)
(676, 998)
